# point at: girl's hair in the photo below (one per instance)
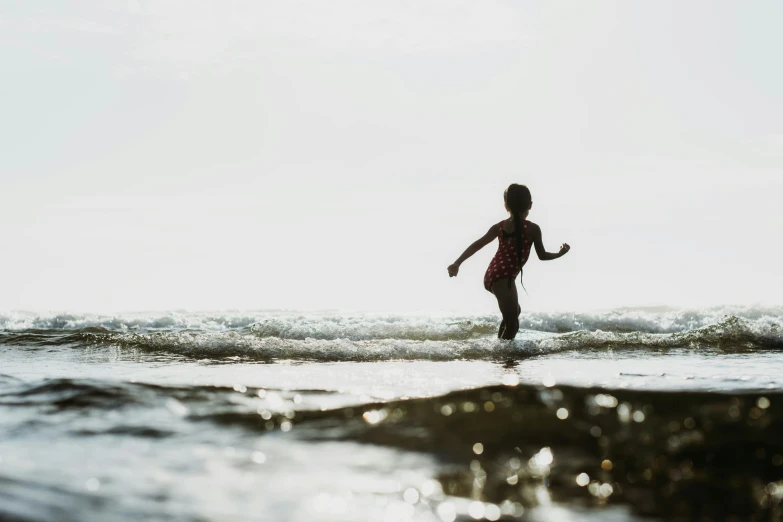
(518, 199)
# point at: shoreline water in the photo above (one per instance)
(182, 424)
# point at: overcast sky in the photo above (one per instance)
(255, 154)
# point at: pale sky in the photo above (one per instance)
(252, 154)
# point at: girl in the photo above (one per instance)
(515, 236)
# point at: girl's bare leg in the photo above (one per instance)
(503, 322)
(508, 302)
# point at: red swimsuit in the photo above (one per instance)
(504, 264)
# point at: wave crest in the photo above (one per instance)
(731, 335)
(358, 327)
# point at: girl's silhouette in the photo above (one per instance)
(515, 236)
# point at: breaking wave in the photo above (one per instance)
(354, 326)
(471, 342)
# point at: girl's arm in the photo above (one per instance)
(477, 245)
(543, 255)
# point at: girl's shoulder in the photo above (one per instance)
(495, 229)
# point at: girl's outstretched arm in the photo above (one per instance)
(543, 255)
(477, 245)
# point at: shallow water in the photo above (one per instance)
(211, 417)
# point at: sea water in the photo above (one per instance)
(278, 415)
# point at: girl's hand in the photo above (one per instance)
(453, 270)
(564, 248)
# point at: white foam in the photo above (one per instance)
(203, 321)
(353, 326)
(732, 334)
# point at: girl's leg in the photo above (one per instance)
(508, 302)
(503, 322)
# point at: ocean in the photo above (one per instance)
(634, 414)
